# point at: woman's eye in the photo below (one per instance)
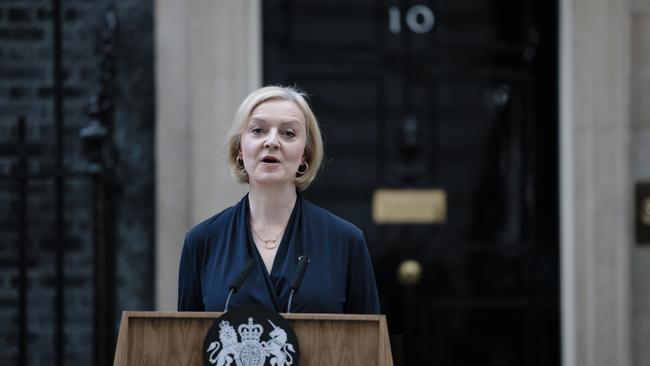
(289, 133)
(256, 131)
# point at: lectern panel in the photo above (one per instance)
(166, 341)
(176, 338)
(337, 342)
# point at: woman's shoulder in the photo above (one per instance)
(332, 222)
(213, 224)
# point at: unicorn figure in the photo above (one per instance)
(278, 348)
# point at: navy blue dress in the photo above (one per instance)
(339, 278)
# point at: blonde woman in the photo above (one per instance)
(275, 147)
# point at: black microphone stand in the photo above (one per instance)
(239, 280)
(303, 261)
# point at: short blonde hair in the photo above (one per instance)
(313, 147)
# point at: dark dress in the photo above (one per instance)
(339, 278)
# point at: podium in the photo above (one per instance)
(176, 338)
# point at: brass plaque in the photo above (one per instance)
(409, 206)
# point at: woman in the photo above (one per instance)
(275, 146)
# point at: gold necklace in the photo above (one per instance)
(272, 242)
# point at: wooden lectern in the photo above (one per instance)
(176, 338)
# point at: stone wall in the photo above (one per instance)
(208, 58)
(640, 171)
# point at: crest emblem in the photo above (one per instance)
(245, 345)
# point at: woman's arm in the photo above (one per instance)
(361, 297)
(189, 278)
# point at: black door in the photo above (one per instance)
(457, 96)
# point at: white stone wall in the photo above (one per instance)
(640, 166)
(605, 150)
(595, 182)
(207, 60)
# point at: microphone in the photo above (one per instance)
(303, 261)
(239, 280)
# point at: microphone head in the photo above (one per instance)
(241, 277)
(303, 261)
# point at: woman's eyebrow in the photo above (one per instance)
(291, 121)
(257, 120)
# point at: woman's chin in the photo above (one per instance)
(273, 180)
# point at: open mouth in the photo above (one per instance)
(270, 160)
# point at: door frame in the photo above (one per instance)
(595, 237)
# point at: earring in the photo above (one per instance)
(303, 171)
(240, 163)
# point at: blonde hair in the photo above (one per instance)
(313, 147)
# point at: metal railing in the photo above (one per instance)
(99, 172)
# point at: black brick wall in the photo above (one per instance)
(27, 89)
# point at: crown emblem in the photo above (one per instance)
(250, 331)
(240, 342)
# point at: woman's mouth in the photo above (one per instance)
(270, 160)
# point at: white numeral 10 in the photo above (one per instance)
(419, 19)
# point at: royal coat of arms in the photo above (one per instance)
(244, 348)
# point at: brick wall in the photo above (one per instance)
(26, 89)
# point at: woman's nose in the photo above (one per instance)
(272, 140)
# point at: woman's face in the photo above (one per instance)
(273, 143)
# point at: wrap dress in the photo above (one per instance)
(339, 278)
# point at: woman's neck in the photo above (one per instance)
(271, 205)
